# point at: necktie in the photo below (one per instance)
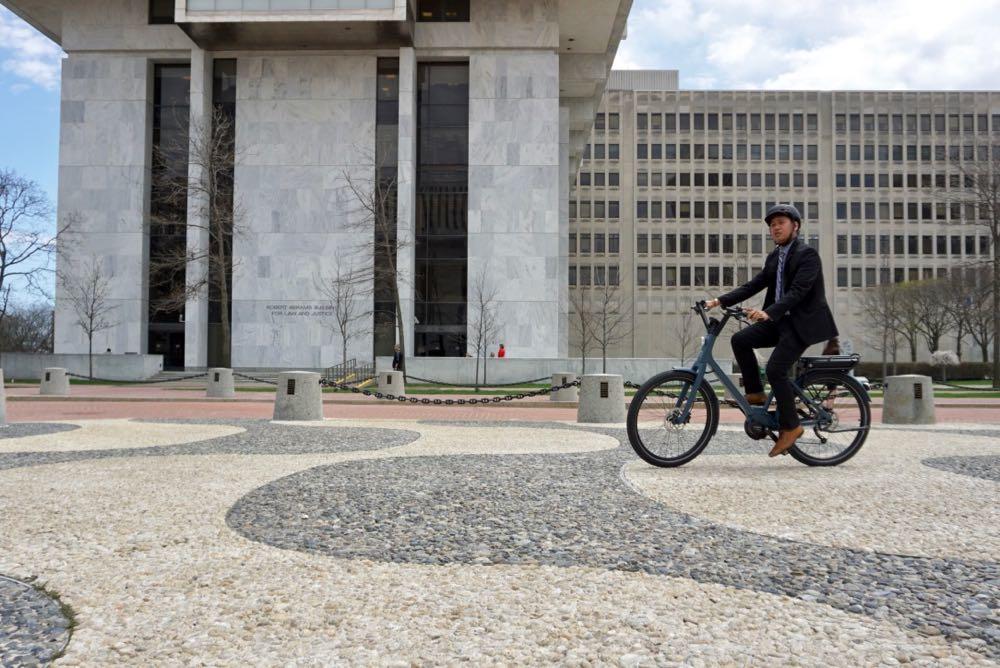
(780, 288)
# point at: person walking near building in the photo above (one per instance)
(795, 316)
(502, 352)
(397, 358)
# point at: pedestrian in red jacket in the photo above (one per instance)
(502, 352)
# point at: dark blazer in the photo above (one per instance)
(804, 302)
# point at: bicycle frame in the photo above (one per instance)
(706, 362)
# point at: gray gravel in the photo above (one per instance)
(21, 429)
(981, 466)
(574, 510)
(260, 438)
(33, 629)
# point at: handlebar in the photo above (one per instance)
(731, 312)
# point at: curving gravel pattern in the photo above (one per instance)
(980, 466)
(574, 510)
(260, 438)
(22, 429)
(33, 628)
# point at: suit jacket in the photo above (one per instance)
(804, 303)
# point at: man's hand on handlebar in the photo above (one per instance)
(711, 303)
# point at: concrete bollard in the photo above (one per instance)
(299, 396)
(392, 382)
(54, 382)
(568, 394)
(3, 402)
(602, 399)
(220, 384)
(908, 399)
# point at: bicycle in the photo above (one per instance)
(675, 414)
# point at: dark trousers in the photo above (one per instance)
(788, 348)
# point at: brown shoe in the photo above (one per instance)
(756, 398)
(786, 439)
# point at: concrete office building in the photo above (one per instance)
(671, 193)
(481, 108)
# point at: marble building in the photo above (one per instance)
(485, 104)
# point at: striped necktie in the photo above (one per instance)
(780, 288)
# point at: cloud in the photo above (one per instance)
(27, 54)
(786, 44)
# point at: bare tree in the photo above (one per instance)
(581, 321)
(375, 218)
(955, 295)
(345, 294)
(908, 314)
(979, 309)
(484, 321)
(612, 320)
(975, 188)
(26, 242)
(194, 191)
(27, 329)
(930, 299)
(684, 330)
(88, 290)
(880, 306)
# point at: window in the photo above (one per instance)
(614, 210)
(613, 274)
(599, 121)
(642, 275)
(657, 277)
(614, 121)
(614, 180)
(572, 243)
(585, 244)
(614, 243)
(641, 152)
(598, 151)
(642, 243)
(572, 274)
(841, 277)
(443, 10)
(642, 122)
(598, 275)
(161, 11)
(585, 276)
(613, 152)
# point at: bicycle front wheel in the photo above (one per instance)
(840, 417)
(660, 430)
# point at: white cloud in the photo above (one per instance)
(786, 44)
(27, 54)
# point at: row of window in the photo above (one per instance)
(657, 179)
(914, 153)
(685, 122)
(873, 276)
(909, 211)
(655, 243)
(868, 180)
(600, 275)
(766, 151)
(912, 244)
(670, 209)
(955, 123)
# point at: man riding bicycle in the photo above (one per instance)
(794, 317)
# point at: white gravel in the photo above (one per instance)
(883, 499)
(139, 547)
(116, 434)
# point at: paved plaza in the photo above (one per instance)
(438, 541)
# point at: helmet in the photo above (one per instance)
(783, 210)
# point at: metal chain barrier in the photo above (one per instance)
(448, 402)
(136, 382)
(439, 382)
(255, 379)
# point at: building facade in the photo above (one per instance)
(669, 200)
(474, 115)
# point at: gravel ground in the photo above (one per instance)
(146, 558)
(483, 510)
(984, 466)
(33, 629)
(22, 429)
(245, 437)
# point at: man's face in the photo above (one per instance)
(782, 229)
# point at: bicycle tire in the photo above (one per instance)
(635, 407)
(864, 411)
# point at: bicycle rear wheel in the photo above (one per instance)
(657, 429)
(841, 429)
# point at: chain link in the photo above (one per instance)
(136, 382)
(254, 378)
(448, 402)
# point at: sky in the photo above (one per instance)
(715, 44)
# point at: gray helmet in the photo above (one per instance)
(783, 210)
